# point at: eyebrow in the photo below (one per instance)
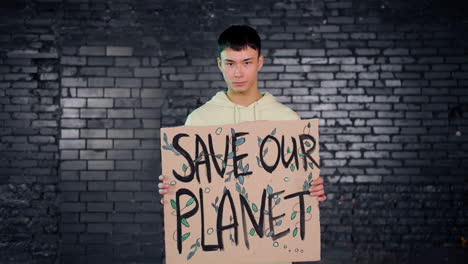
(228, 60)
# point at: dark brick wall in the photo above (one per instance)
(86, 85)
(29, 133)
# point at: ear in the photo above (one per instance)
(260, 62)
(219, 63)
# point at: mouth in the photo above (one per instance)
(239, 83)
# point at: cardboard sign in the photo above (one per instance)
(239, 193)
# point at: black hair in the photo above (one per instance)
(238, 37)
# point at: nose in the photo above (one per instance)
(238, 71)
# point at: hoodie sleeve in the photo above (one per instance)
(188, 121)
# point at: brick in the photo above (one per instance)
(100, 164)
(99, 207)
(119, 51)
(92, 154)
(100, 186)
(98, 144)
(92, 175)
(70, 60)
(119, 72)
(90, 92)
(73, 102)
(71, 144)
(116, 92)
(120, 133)
(147, 72)
(92, 51)
(74, 82)
(100, 61)
(120, 113)
(100, 82)
(93, 113)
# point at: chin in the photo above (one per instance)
(240, 89)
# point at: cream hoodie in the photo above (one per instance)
(221, 111)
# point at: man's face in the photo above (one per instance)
(240, 68)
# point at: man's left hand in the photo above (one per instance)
(317, 189)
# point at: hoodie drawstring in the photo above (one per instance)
(235, 110)
(255, 111)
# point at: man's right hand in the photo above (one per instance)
(163, 187)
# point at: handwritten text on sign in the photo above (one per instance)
(239, 193)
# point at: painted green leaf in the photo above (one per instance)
(309, 209)
(269, 189)
(270, 234)
(223, 164)
(273, 132)
(165, 139)
(277, 201)
(246, 168)
(190, 255)
(292, 167)
(254, 207)
(238, 188)
(265, 212)
(166, 148)
(295, 232)
(308, 125)
(293, 215)
(185, 236)
(173, 204)
(307, 143)
(288, 150)
(218, 131)
(301, 154)
(184, 168)
(311, 165)
(279, 223)
(241, 179)
(259, 139)
(184, 222)
(189, 202)
(252, 232)
(305, 186)
(258, 162)
(310, 177)
(230, 155)
(240, 141)
(219, 155)
(265, 151)
(233, 131)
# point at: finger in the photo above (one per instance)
(162, 191)
(322, 198)
(316, 188)
(161, 178)
(319, 180)
(319, 193)
(163, 185)
(162, 201)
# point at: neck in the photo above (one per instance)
(244, 98)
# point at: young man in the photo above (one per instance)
(239, 61)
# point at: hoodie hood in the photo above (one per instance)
(221, 99)
(219, 110)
